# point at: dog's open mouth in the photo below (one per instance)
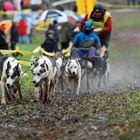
(72, 75)
(38, 84)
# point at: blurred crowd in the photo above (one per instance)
(9, 5)
(22, 27)
(133, 2)
(20, 32)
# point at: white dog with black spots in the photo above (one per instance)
(9, 79)
(46, 72)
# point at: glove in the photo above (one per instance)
(97, 30)
(76, 29)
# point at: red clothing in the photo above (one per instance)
(106, 29)
(22, 27)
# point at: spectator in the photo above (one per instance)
(29, 31)
(50, 43)
(24, 4)
(132, 2)
(3, 40)
(22, 31)
(13, 36)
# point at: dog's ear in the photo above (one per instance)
(77, 61)
(8, 65)
(7, 69)
(69, 61)
(46, 64)
(18, 69)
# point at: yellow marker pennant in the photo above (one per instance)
(41, 50)
(23, 52)
(22, 62)
(7, 51)
(15, 51)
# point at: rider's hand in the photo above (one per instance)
(97, 30)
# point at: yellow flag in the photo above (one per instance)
(85, 6)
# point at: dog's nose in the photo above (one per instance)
(8, 85)
(34, 82)
(73, 73)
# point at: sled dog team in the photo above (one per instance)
(46, 71)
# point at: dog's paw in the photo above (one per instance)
(3, 102)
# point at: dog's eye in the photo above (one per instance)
(36, 65)
(7, 76)
(41, 71)
(13, 76)
(38, 74)
(42, 65)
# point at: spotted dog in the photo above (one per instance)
(45, 71)
(72, 72)
(10, 70)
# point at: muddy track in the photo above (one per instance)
(105, 114)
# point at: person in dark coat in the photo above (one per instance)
(50, 43)
(13, 36)
(3, 40)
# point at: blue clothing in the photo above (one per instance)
(82, 39)
(85, 44)
(76, 52)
